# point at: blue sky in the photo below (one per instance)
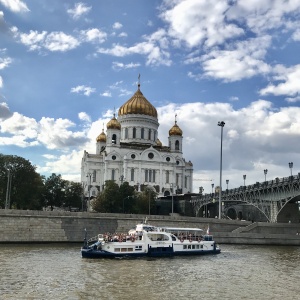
(65, 66)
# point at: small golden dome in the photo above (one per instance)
(113, 124)
(158, 143)
(101, 137)
(138, 104)
(175, 130)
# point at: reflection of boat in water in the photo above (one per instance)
(148, 240)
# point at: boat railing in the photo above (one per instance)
(93, 239)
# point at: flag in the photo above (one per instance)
(207, 231)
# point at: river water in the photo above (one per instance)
(239, 272)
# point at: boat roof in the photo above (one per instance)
(181, 229)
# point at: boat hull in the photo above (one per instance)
(92, 253)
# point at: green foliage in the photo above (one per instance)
(26, 184)
(53, 193)
(72, 195)
(143, 199)
(124, 199)
(62, 193)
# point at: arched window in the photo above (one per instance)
(132, 175)
(142, 133)
(167, 176)
(114, 139)
(94, 176)
(149, 135)
(126, 133)
(177, 145)
(134, 133)
(112, 174)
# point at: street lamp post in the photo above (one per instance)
(212, 188)
(149, 203)
(172, 198)
(227, 181)
(265, 172)
(244, 177)
(221, 124)
(89, 175)
(291, 167)
(8, 189)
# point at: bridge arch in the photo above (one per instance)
(277, 200)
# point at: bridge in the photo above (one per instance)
(269, 197)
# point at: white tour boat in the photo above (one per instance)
(148, 240)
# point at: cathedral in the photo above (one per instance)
(131, 151)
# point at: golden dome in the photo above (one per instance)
(158, 143)
(113, 124)
(101, 137)
(175, 130)
(138, 104)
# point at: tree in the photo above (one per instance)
(109, 199)
(26, 184)
(128, 198)
(53, 193)
(72, 194)
(144, 200)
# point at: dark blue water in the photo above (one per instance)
(239, 272)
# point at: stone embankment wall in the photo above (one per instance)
(20, 226)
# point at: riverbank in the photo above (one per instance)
(24, 226)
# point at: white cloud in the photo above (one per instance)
(293, 99)
(93, 35)
(106, 94)
(1, 82)
(59, 41)
(53, 134)
(296, 35)
(244, 60)
(155, 56)
(198, 22)
(65, 164)
(289, 81)
(263, 15)
(85, 90)
(84, 117)
(15, 5)
(79, 10)
(120, 66)
(54, 41)
(34, 40)
(117, 25)
(5, 113)
(5, 62)
(234, 98)
(123, 34)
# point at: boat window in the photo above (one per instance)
(184, 247)
(197, 246)
(173, 238)
(189, 246)
(123, 249)
(158, 237)
(193, 246)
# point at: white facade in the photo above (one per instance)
(130, 151)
